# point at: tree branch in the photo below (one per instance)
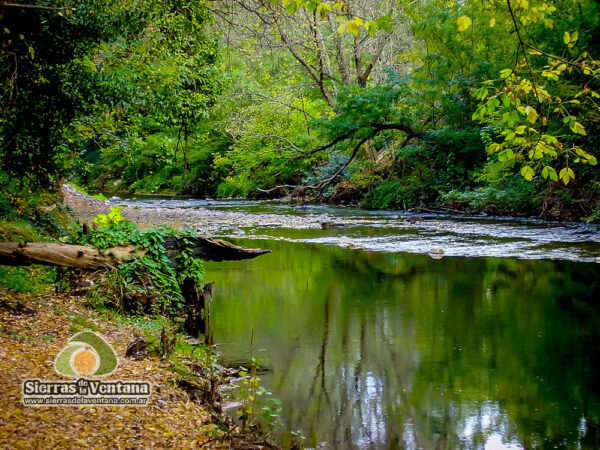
(318, 79)
(47, 8)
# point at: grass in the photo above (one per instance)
(34, 279)
(20, 230)
(98, 196)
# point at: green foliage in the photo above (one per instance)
(129, 97)
(36, 100)
(541, 103)
(517, 198)
(143, 125)
(387, 195)
(257, 408)
(27, 279)
(148, 283)
(101, 75)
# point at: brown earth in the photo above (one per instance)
(33, 329)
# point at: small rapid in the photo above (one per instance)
(382, 231)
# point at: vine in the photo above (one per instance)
(153, 274)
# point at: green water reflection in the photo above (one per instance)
(380, 350)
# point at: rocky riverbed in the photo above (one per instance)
(439, 235)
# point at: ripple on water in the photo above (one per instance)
(382, 231)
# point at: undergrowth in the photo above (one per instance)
(150, 282)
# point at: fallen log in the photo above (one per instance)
(86, 257)
(212, 249)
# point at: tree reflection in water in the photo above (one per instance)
(380, 350)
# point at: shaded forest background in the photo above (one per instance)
(473, 106)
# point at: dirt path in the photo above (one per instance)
(30, 338)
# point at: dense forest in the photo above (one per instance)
(230, 136)
(455, 106)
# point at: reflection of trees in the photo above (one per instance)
(410, 352)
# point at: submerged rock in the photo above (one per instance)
(330, 225)
(436, 253)
(344, 240)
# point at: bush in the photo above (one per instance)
(148, 283)
(236, 186)
(515, 197)
(409, 192)
(384, 196)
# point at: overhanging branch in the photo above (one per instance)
(411, 133)
(47, 8)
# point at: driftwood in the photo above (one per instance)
(213, 249)
(86, 257)
(197, 299)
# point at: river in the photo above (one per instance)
(410, 331)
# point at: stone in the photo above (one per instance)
(137, 348)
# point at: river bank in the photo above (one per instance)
(34, 328)
(46, 306)
(380, 231)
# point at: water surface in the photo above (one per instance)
(384, 350)
(371, 343)
(385, 231)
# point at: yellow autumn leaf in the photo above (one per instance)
(352, 27)
(576, 127)
(464, 23)
(532, 114)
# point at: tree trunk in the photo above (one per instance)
(197, 309)
(86, 257)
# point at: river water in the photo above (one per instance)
(400, 331)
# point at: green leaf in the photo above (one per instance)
(371, 27)
(548, 171)
(385, 23)
(291, 8)
(527, 173)
(576, 127)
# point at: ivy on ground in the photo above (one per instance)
(152, 275)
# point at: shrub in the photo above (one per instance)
(517, 196)
(148, 283)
